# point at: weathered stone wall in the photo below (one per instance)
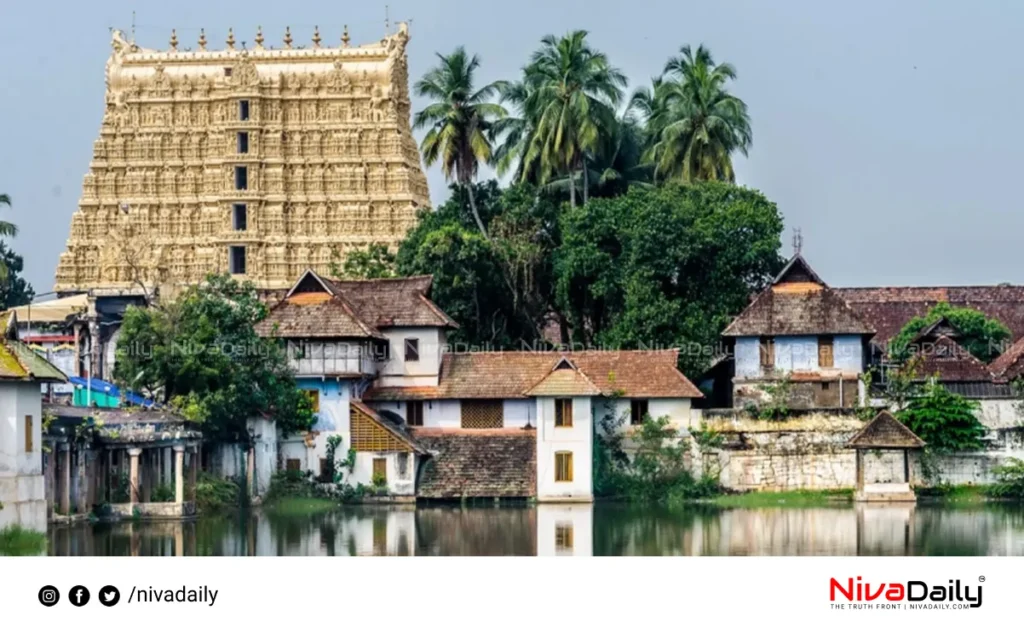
(807, 452)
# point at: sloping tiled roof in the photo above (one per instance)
(885, 431)
(887, 310)
(400, 431)
(565, 381)
(478, 463)
(806, 311)
(1010, 364)
(401, 301)
(487, 375)
(18, 362)
(316, 307)
(950, 361)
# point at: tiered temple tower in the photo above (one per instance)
(256, 161)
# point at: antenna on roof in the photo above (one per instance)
(387, 20)
(798, 241)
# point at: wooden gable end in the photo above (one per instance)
(372, 436)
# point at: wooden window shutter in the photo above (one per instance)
(380, 469)
(414, 413)
(767, 351)
(563, 412)
(563, 466)
(412, 349)
(293, 465)
(826, 345)
(314, 399)
(29, 434)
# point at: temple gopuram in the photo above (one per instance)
(256, 161)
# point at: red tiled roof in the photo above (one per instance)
(1010, 364)
(950, 361)
(487, 375)
(887, 310)
(316, 307)
(807, 311)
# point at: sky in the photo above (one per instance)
(889, 133)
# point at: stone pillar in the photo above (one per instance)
(65, 480)
(133, 474)
(179, 474)
(50, 482)
(250, 472)
(84, 482)
(860, 469)
(193, 472)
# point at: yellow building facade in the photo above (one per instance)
(260, 162)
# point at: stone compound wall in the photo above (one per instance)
(807, 452)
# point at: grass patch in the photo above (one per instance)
(960, 494)
(787, 499)
(300, 506)
(17, 541)
(214, 493)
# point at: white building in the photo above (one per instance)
(441, 425)
(22, 494)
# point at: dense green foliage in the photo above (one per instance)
(14, 290)
(214, 493)
(651, 268)
(946, 421)
(654, 470)
(18, 541)
(7, 229)
(980, 335)
(200, 353)
(1009, 479)
(665, 267)
(373, 262)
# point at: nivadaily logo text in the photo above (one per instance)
(913, 591)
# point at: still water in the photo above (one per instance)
(581, 530)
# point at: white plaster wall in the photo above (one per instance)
(398, 485)
(520, 413)
(21, 474)
(747, 356)
(999, 414)
(264, 434)
(677, 410)
(438, 414)
(848, 352)
(399, 372)
(796, 353)
(578, 439)
(577, 517)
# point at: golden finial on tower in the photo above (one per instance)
(259, 37)
(316, 37)
(231, 39)
(287, 37)
(174, 40)
(202, 39)
(344, 37)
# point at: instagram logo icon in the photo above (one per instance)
(49, 596)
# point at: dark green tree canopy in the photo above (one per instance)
(946, 421)
(14, 290)
(200, 353)
(982, 336)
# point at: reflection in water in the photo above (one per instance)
(571, 529)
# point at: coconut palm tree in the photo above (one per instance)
(570, 98)
(693, 123)
(7, 229)
(458, 122)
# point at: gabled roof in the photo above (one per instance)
(888, 309)
(950, 361)
(317, 307)
(797, 270)
(1010, 364)
(940, 327)
(885, 431)
(18, 362)
(399, 432)
(487, 375)
(565, 379)
(797, 303)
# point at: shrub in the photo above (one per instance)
(18, 541)
(946, 421)
(1009, 479)
(162, 494)
(214, 493)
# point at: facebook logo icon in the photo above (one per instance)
(79, 596)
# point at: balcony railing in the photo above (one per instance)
(312, 358)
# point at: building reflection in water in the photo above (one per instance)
(565, 530)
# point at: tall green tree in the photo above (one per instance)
(7, 229)
(14, 290)
(571, 91)
(201, 354)
(694, 124)
(946, 421)
(665, 267)
(459, 121)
